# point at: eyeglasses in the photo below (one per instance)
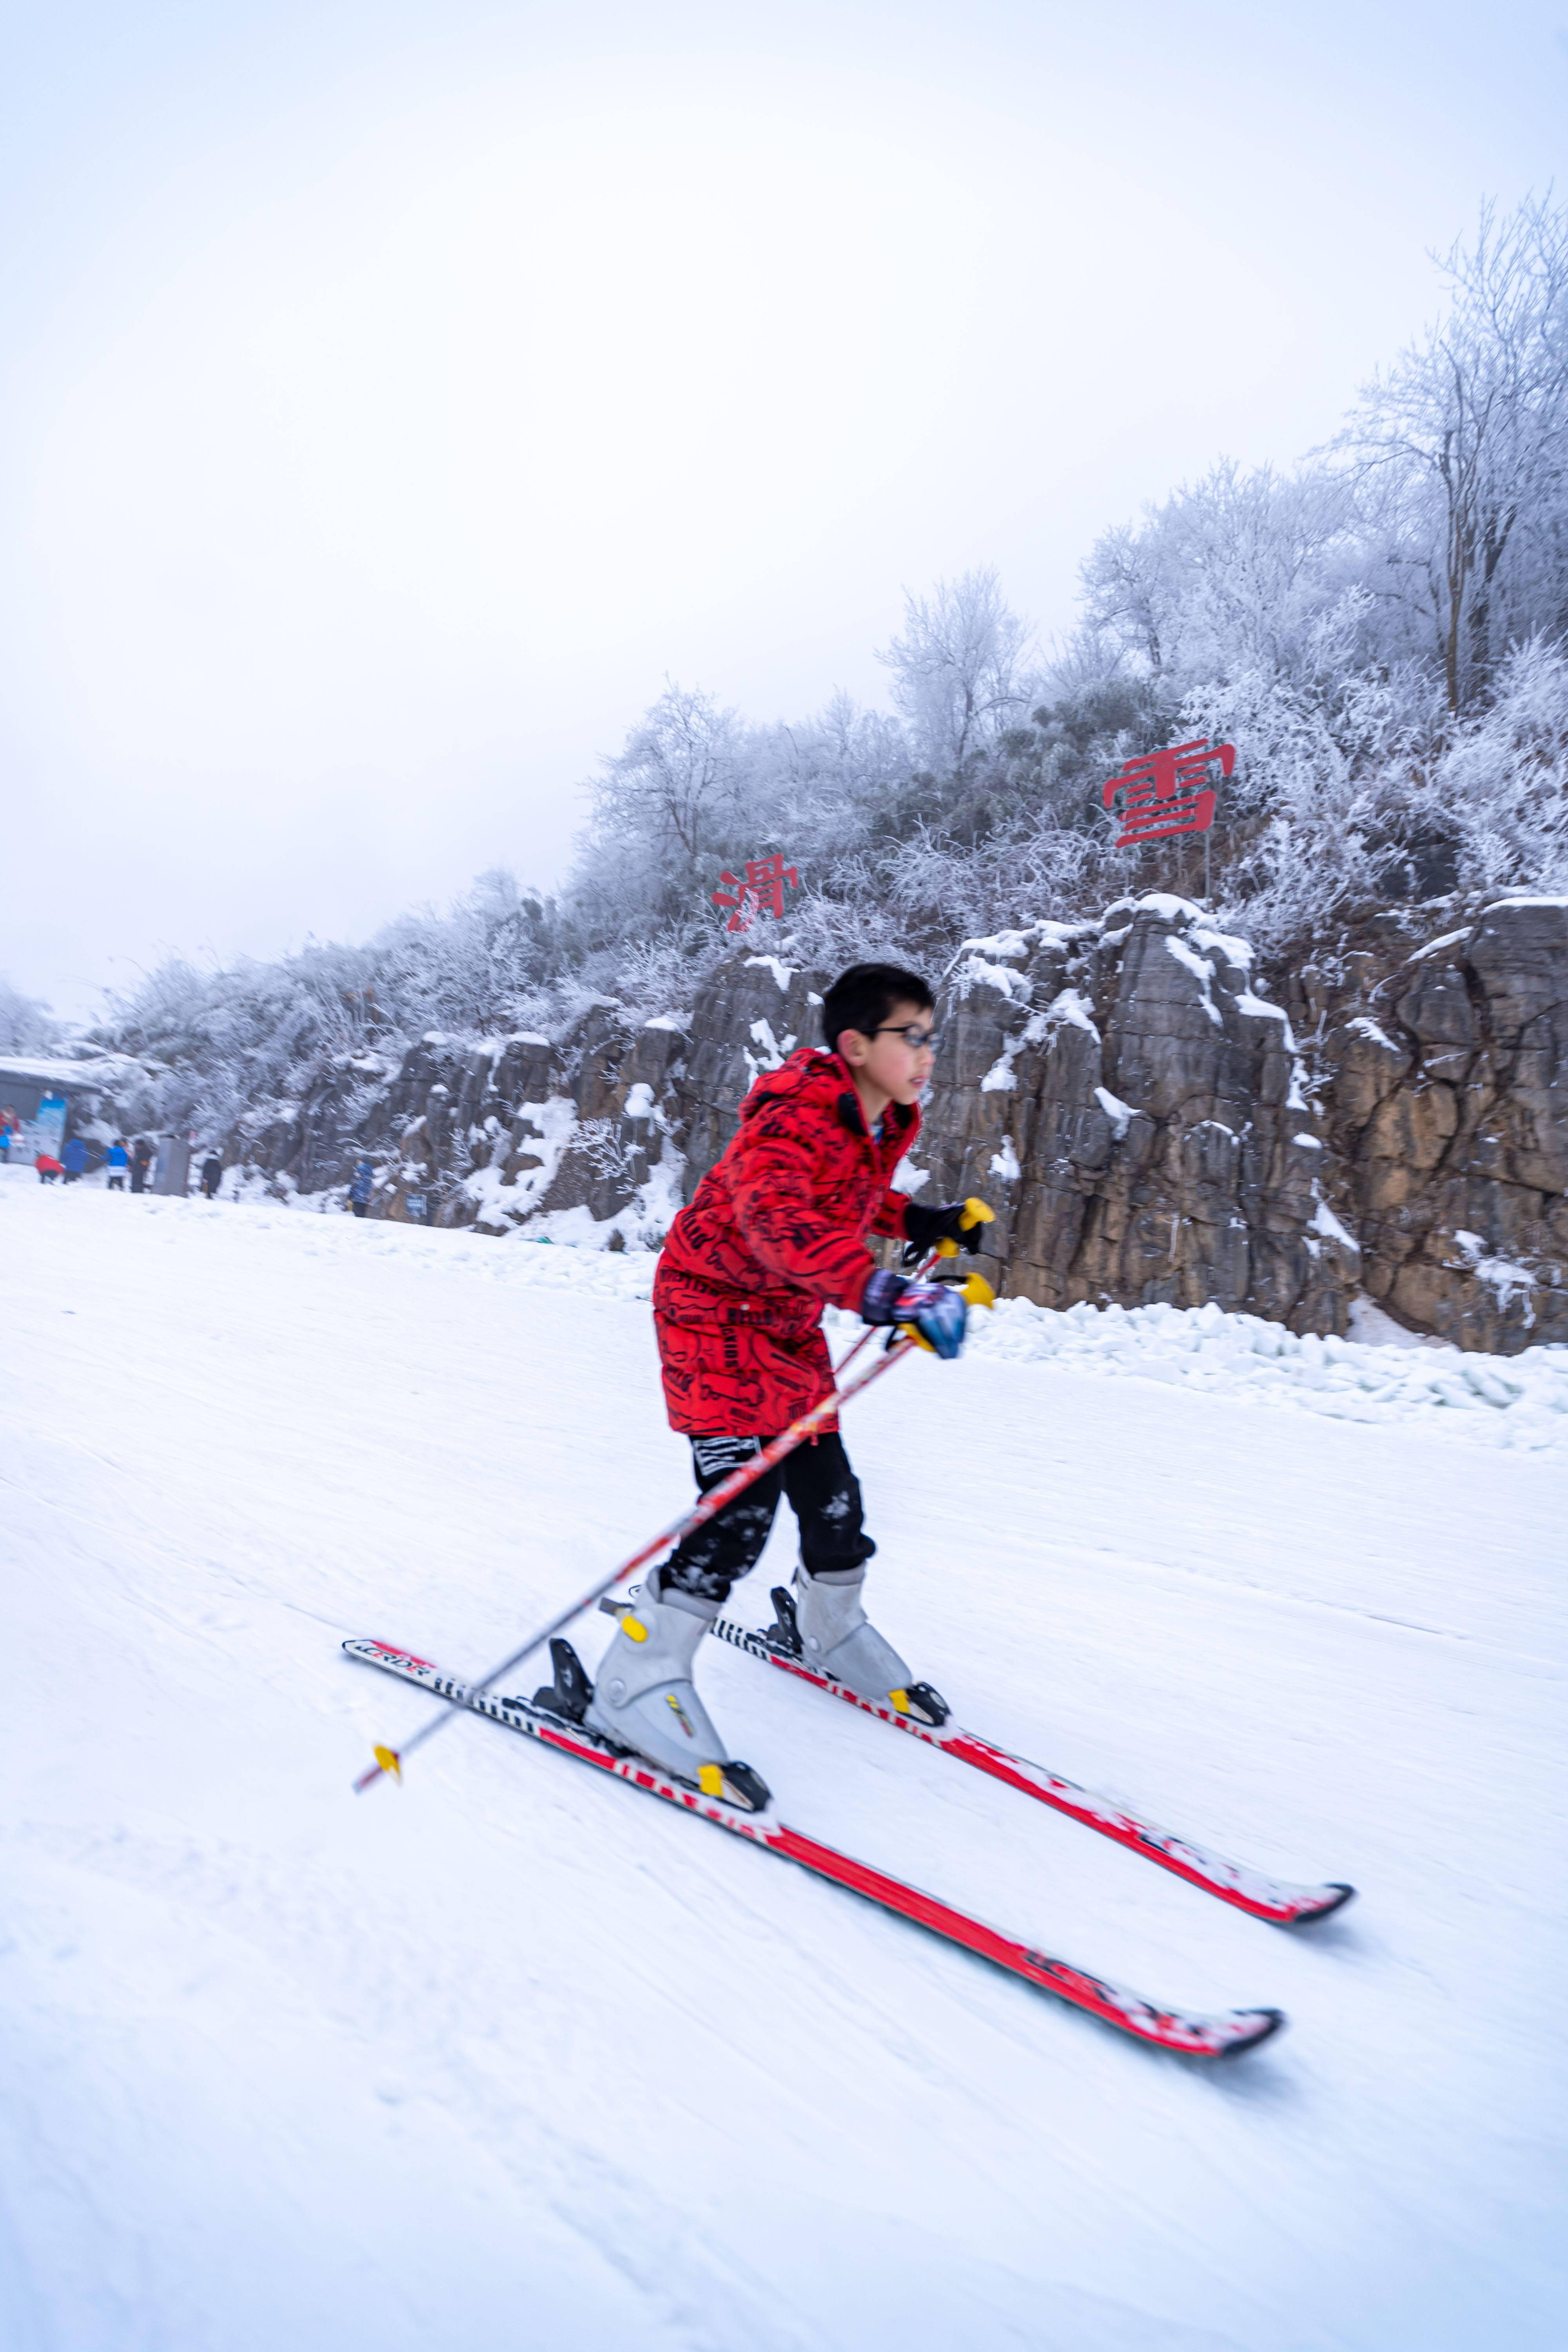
(919, 1041)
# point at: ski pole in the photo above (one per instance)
(391, 1760)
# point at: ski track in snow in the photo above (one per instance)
(512, 2049)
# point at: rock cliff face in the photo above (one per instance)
(1444, 1082)
(1142, 1121)
(1154, 1118)
(574, 1138)
(1122, 1095)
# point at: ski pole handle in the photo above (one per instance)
(390, 1760)
(869, 1333)
(976, 1212)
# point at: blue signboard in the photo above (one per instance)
(45, 1131)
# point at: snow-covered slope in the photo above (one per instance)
(514, 2050)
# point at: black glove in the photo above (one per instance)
(958, 1221)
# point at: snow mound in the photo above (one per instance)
(1512, 1400)
(550, 1262)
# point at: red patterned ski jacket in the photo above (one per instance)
(776, 1231)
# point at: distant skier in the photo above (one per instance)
(49, 1167)
(776, 1232)
(119, 1160)
(212, 1176)
(141, 1160)
(361, 1187)
(73, 1159)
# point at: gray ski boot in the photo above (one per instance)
(834, 1633)
(645, 1699)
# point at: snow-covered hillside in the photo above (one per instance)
(512, 2050)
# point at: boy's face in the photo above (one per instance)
(886, 1062)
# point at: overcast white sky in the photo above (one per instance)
(392, 392)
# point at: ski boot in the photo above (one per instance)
(645, 1700)
(824, 1625)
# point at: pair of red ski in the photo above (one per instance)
(1189, 2033)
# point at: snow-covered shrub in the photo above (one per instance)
(1503, 780)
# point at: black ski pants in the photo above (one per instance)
(823, 1494)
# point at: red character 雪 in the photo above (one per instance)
(1168, 792)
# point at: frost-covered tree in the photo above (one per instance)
(1462, 450)
(957, 670)
(26, 1024)
(665, 813)
(1229, 574)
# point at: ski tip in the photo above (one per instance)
(1266, 2025)
(1246, 2029)
(1336, 1895)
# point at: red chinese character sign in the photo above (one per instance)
(761, 892)
(1168, 792)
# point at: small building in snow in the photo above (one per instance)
(43, 1100)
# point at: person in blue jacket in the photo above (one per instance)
(119, 1160)
(73, 1159)
(360, 1188)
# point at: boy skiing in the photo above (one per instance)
(775, 1231)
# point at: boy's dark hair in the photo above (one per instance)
(862, 998)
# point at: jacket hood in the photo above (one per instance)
(812, 1074)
